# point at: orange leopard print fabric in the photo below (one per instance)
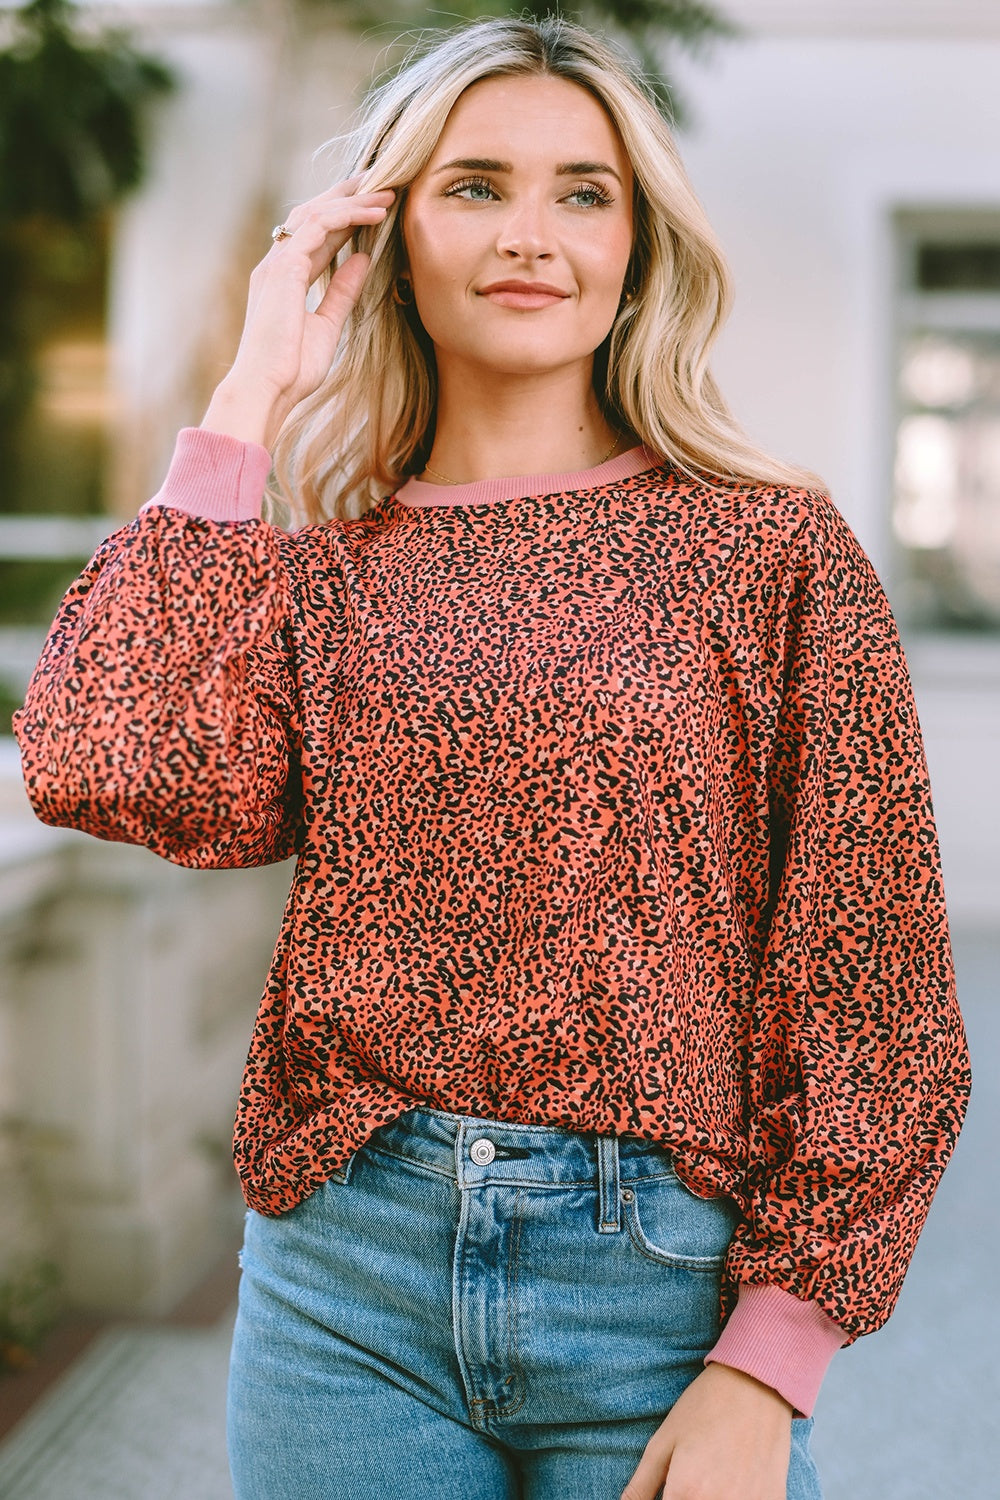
(611, 813)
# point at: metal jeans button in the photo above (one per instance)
(482, 1152)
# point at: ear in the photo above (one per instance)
(402, 289)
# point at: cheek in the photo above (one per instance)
(604, 262)
(423, 249)
(439, 258)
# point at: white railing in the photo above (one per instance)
(55, 538)
(41, 539)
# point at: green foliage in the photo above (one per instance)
(70, 116)
(71, 144)
(8, 707)
(647, 28)
(31, 588)
(52, 279)
(29, 1306)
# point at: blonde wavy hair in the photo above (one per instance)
(370, 425)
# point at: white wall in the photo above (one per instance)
(800, 148)
(871, 18)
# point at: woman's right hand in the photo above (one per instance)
(285, 351)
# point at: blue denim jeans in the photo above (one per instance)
(475, 1311)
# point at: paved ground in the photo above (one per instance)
(909, 1414)
(140, 1417)
(913, 1412)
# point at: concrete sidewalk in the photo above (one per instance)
(140, 1416)
(912, 1413)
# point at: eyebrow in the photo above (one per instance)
(563, 168)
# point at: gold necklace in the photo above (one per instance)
(438, 475)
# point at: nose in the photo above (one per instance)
(525, 232)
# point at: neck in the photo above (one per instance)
(549, 424)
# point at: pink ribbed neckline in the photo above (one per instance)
(416, 494)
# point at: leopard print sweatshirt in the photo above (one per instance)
(610, 812)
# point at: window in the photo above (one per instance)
(946, 488)
(55, 420)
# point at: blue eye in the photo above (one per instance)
(479, 190)
(598, 196)
(477, 185)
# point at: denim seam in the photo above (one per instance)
(708, 1264)
(487, 1180)
(486, 1409)
(609, 1187)
(512, 1283)
(458, 1317)
(515, 1180)
(554, 1184)
(666, 1173)
(513, 1125)
(410, 1161)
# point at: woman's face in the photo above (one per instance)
(519, 229)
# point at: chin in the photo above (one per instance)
(524, 357)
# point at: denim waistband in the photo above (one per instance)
(478, 1152)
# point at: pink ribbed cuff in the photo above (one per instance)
(781, 1341)
(214, 476)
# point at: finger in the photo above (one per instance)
(355, 185)
(346, 188)
(649, 1478)
(336, 202)
(320, 237)
(344, 289)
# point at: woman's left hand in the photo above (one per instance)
(728, 1437)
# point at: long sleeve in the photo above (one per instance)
(163, 710)
(858, 1069)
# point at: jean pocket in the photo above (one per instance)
(669, 1224)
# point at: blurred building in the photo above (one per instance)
(848, 152)
(128, 987)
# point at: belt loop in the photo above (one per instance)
(608, 1184)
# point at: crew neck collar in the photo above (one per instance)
(416, 494)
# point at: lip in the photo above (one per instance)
(523, 294)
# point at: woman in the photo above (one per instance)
(610, 1054)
